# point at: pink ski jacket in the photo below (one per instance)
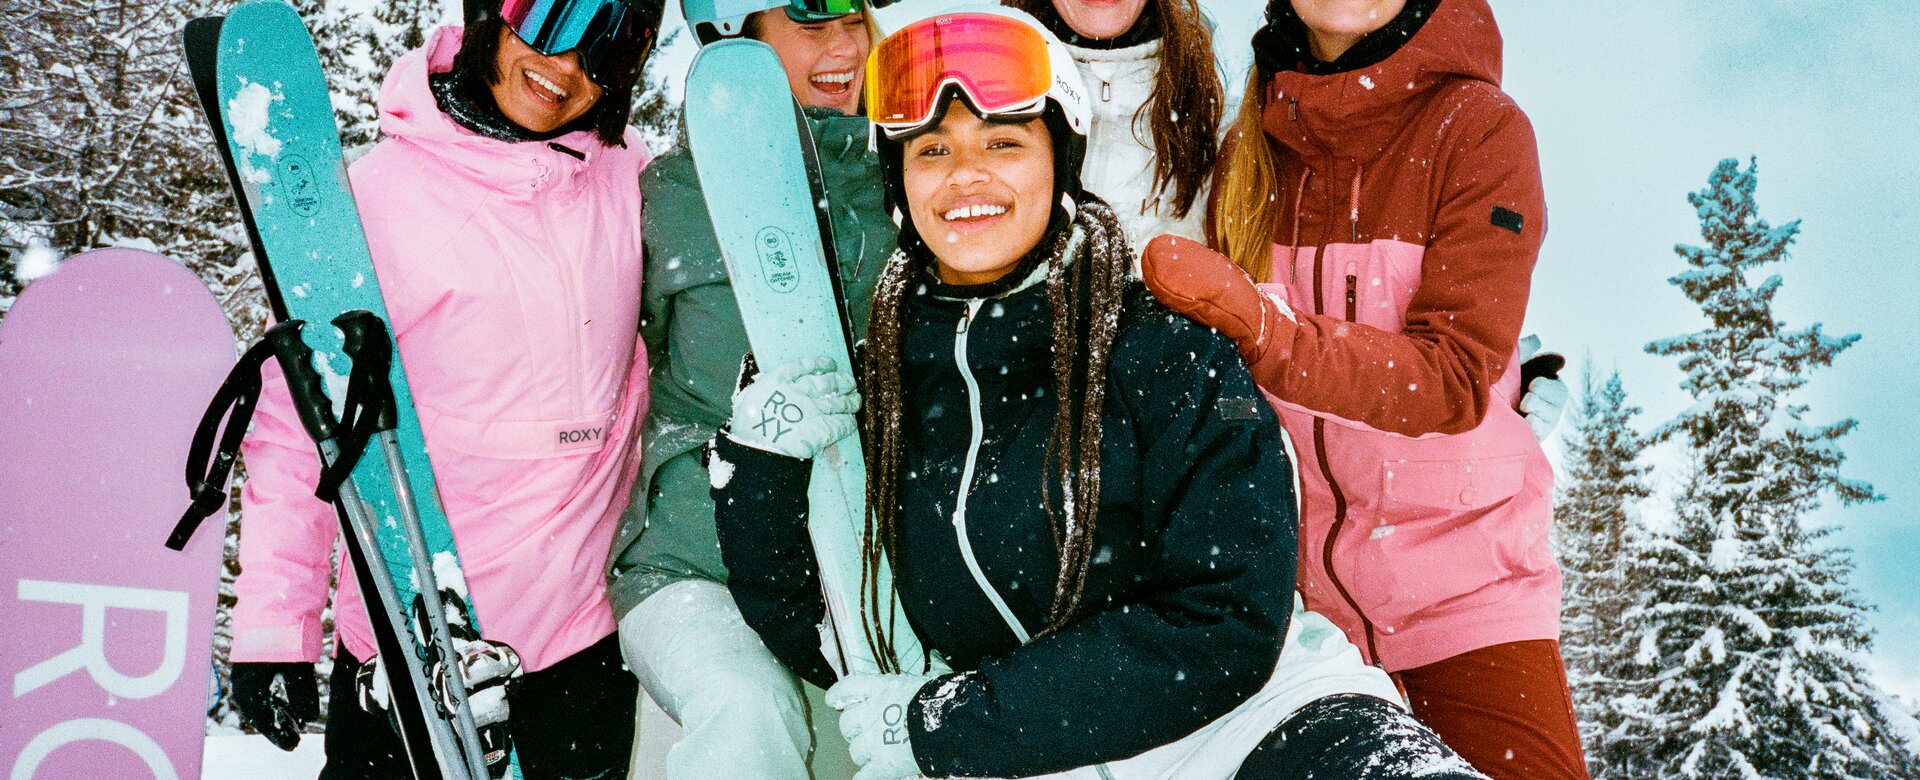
(511, 273)
(1412, 214)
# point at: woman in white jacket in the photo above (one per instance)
(1157, 105)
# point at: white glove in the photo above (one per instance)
(1544, 399)
(873, 718)
(796, 409)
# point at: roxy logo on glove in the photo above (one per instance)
(778, 416)
(895, 732)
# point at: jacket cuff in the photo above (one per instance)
(940, 753)
(286, 643)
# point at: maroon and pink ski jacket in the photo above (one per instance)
(1411, 218)
(511, 273)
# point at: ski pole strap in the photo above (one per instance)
(207, 466)
(368, 409)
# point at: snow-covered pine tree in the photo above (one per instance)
(103, 144)
(1748, 646)
(358, 46)
(655, 111)
(1602, 479)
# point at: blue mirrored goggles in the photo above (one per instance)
(613, 37)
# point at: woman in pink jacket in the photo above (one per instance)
(1387, 195)
(502, 208)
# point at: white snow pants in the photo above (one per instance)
(742, 714)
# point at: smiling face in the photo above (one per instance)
(1100, 19)
(539, 92)
(824, 60)
(1334, 26)
(979, 193)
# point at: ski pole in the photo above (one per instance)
(368, 344)
(316, 415)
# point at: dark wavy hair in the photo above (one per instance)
(1187, 102)
(476, 60)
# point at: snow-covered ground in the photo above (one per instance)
(244, 756)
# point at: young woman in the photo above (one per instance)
(1157, 106)
(1387, 194)
(502, 216)
(1074, 486)
(742, 713)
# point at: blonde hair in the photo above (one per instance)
(1244, 216)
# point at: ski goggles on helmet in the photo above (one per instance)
(612, 36)
(821, 9)
(1002, 64)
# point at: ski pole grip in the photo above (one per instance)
(303, 382)
(370, 346)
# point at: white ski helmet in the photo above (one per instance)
(1063, 84)
(1010, 80)
(714, 20)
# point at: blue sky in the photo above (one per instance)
(1634, 101)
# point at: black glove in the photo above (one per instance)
(280, 712)
(1545, 365)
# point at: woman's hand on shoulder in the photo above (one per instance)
(1208, 287)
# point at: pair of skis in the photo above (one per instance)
(262, 88)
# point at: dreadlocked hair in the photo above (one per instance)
(1086, 281)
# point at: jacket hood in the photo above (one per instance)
(1356, 113)
(409, 112)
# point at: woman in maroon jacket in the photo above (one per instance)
(1385, 195)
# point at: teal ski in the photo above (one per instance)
(746, 135)
(272, 110)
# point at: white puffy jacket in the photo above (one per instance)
(1119, 165)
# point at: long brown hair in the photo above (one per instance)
(1245, 213)
(1086, 290)
(1185, 107)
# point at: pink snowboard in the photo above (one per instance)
(105, 368)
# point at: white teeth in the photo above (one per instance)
(843, 77)
(545, 82)
(974, 212)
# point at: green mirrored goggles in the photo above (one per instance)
(818, 10)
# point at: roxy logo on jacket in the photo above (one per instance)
(580, 435)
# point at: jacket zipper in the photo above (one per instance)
(967, 473)
(571, 306)
(1353, 298)
(1326, 467)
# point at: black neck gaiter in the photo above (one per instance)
(1282, 44)
(1144, 29)
(470, 104)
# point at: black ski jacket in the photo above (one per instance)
(1191, 584)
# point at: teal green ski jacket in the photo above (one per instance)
(695, 341)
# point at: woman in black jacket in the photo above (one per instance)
(1074, 486)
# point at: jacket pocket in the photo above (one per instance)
(1441, 532)
(1371, 283)
(478, 463)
